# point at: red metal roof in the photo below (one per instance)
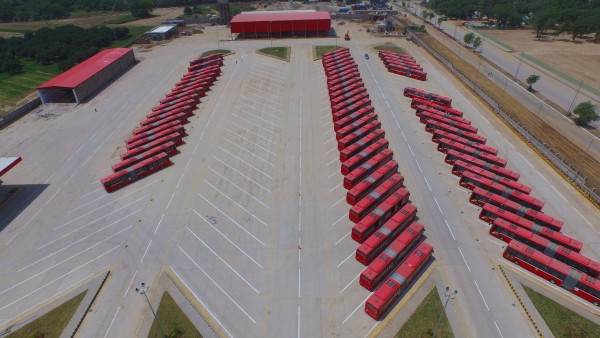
(280, 16)
(88, 68)
(6, 163)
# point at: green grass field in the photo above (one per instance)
(562, 321)
(282, 53)
(390, 47)
(52, 323)
(15, 87)
(173, 321)
(422, 322)
(215, 51)
(320, 50)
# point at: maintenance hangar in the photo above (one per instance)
(281, 23)
(86, 78)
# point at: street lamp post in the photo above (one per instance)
(449, 295)
(142, 290)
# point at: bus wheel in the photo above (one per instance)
(595, 303)
(552, 281)
(517, 262)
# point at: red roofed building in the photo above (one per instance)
(86, 78)
(281, 23)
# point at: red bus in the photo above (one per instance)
(412, 73)
(352, 127)
(361, 144)
(481, 196)
(350, 101)
(338, 79)
(368, 184)
(216, 56)
(175, 138)
(180, 118)
(358, 134)
(374, 198)
(445, 144)
(389, 259)
(373, 221)
(426, 109)
(438, 134)
(337, 60)
(415, 92)
(392, 63)
(554, 236)
(408, 68)
(381, 300)
(173, 100)
(154, 137)
(168, 112)
(208, 70)
(341, 123)
(340, 96)
(205, 65)
(473, 170)
(350, 85)
(204, 81)
(506, 205)
(167, 107)
(432, 125)
(358, 174)
(386, 53)
(341, 68)
(378, 241)
(556, 272)
(507, 231)
(169, 148)
(182, 96)
(426, 116)
(419, 101)
(124, 177)
(174, 124)
(452, 156)
(364, 103)
(364, 155)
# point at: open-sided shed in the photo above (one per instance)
(280, 23)
(86, 78)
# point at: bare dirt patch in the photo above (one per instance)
(580, 59)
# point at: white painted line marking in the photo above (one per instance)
(111, 322)
(558, 193)
(359, 305)
(326, 122)
(332, 161)
(100, 146)
(83, 145)
(70, 177)
(222, 260)
(236, 203)
(334, 149)
(330, 140)
(449, 229)
(418, 165)
(339, 219)
(131, 282)
(86, 161)
(170, 200)
(463, 190)
(256, 116)
(247, 151)
(145, 252)
(250, 141)
(217, 285)
(344, 261)
(298, 333)
(53, 195)
(246, 177)
(347, 285)
(498, 244)
(526, 161)
(159, 222)
(103, 196)
(256, 125)
(497, 328)
(404, 136)
(337, 186)
(426, 182)
(373, 327)
(481, 294)
(32, 217)
(580, 214)
(543, 177)
(232, 220)
(195, 148)
(338, 202)
(200, 301)
(180, 178)
(464, 260)
(438, 205)
(411, 151)
(487, 225)
(299, 273)
(89, 193)
(49, 178)
(250, 131)
(472, 205)
(242, 190)
(246, 163)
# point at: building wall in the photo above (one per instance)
(276, 27)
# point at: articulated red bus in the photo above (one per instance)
(169, 148)
(173, 100)
(336, 61)
(216, 70)
(426, 109)
(556, 272)
(124, 177)
(352, 127)
(389, 259)
(346, 87)
(358, 174)
(366, 154)
(337, 115)
(471, 180)
(175, 138)
(489, 214)
(205, 64)
(174, 124)
(415, 92)
(372, 181)
(373, 199)
(438, 134)
(361, 144)
(169, 112)
(432, 125)
(216, 56)
(378, 241)
(473, 170)
(154, 137)
(349, 102)
(184, 96)
(341, 68)
(405, 71)
(167, 107)
(419, 101)
(381, 300)
(339, 79)
(426, 116)
(391, 63)
(358, 134)
(507, 231)
(181, 118)
(501, 204)
(445, 144)
(376, 218)
(453, 156)
(387, 54)
(481, 196)
(335, 99)
(341, 123)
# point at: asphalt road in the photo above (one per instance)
(251, 217)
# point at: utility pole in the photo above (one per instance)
(572, 106)
(142, 290)
(449, 295)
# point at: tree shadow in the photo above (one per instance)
(16, 198)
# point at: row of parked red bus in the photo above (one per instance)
(385, 221)
(402, 64)
(153, 143)
(535, 240)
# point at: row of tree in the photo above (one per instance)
(65, 45)
(576, 17)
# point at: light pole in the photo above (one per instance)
(519, 66)
(572, 105)
(449, 295)
(142, 291)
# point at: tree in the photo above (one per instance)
(531, 80)
(141, 8)
(586, 113)
(11, 64)
(439, 21)
(187, 10)
(468, 38)
(476, 43)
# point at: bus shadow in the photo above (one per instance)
(15, 198)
